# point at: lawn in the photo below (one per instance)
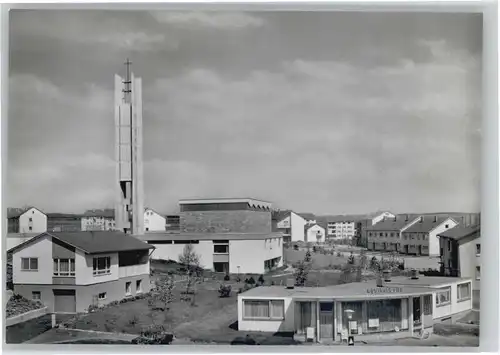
(320, 261)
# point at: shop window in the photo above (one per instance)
(463, 292)
(443, 296)
(384, 315)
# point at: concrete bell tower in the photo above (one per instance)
(129, 204)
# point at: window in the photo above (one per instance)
(138, 286)
(449, 245)
(30, 228)
(478, 272)
(64, 267)
(478, 249)
(443, 296)
(31, 219)
(222, 249)
(463, 291)
(102, 265)
(29, 264)
(36, 295)
(381, 234)
(446, 226)
(147, 229)
(271, 309)
(128, 288)
(102, 296)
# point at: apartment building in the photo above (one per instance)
(153, 221)
(385, 234)
(368, 221)
(422, 238)
(292, 226)
(173, 222)
(460, 250)
(70, 271)
(222, 232)
(28, 220)
(341, 227)
(98, 220)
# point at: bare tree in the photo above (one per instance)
(163, 291)
(191, 262)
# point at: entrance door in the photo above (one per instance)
(65, 301)
(419, 250)
(417, 320)
(326, 317)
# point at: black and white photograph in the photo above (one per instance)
(289, 178)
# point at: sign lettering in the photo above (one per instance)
(379, 290)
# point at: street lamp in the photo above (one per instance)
(349, 313)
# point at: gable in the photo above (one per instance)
(284, 223)
(30, 244)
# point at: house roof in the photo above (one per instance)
(161, 235)
(342, 218)
(428, 224)
(18, 212)
(459, 232)
(401, 287)
(393, 224)
(63, 215)
(308, 226)
(249, 200)
(94, 242)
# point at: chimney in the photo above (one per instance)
(435, 219)
(414, 274)
(387, 275)
(406, 218)
(463, 221)
(290, 284)
(395, 218)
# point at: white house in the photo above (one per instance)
(292, 226)
(421, 238)
(314, 233)
(153, 221)
(246, 253)
(461, 253)
(29, 220)
(70, 271)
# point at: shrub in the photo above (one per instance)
(295, 247)
(93, 308)
(339, 254)
(226, 278)
(261, 279)
(154, 334)
(224, 291)
(251, 281)
(238, 279)
(133, 320)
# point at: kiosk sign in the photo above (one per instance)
(382, 290)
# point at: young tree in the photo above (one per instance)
(191, 261)
(351, 259)
(163, 291)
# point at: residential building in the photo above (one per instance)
(64, 222)
(314, 233)
(460, 249)
(129, 180)
(342, 227)
(385, 235)
(98, 220)
(153, 221)
(422, 238)
(292, 225)
(70, 271)
(234, 253)
(28, 220)
(404, 307)
(370, 220)
(222, 232)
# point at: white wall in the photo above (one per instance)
(468, 260)
(249, 255)
(454, 306)
(285, 325)
(298, 224)
(38, 223)
(153, 221)
(41, 249)
(84, 267)
(172, 251)
(433, 235)
(312, 234)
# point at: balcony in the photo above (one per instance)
(133, 270)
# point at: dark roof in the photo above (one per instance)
(393, 224)
(106, 213)
(459, 232)
(18, 212)
(428, 224)
(63, 215)
(151, 236)
(95, 242)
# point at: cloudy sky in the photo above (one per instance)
(318, 112)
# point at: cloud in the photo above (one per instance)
(213, 20)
